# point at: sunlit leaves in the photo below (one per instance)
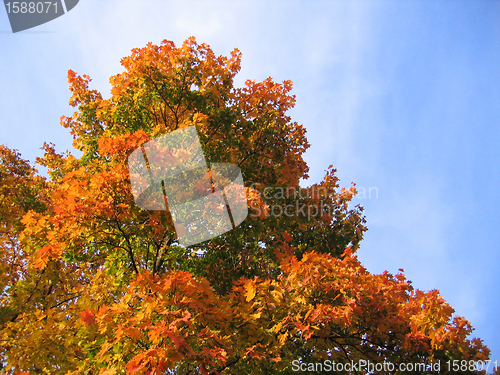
(93, 284)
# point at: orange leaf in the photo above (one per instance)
(87, 317)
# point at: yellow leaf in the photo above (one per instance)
(249, 290)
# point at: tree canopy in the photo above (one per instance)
(93, 284)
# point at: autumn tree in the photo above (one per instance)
(94, 284)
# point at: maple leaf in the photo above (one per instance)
(87, 317)
(250, 290)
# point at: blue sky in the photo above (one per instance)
(400, 96)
